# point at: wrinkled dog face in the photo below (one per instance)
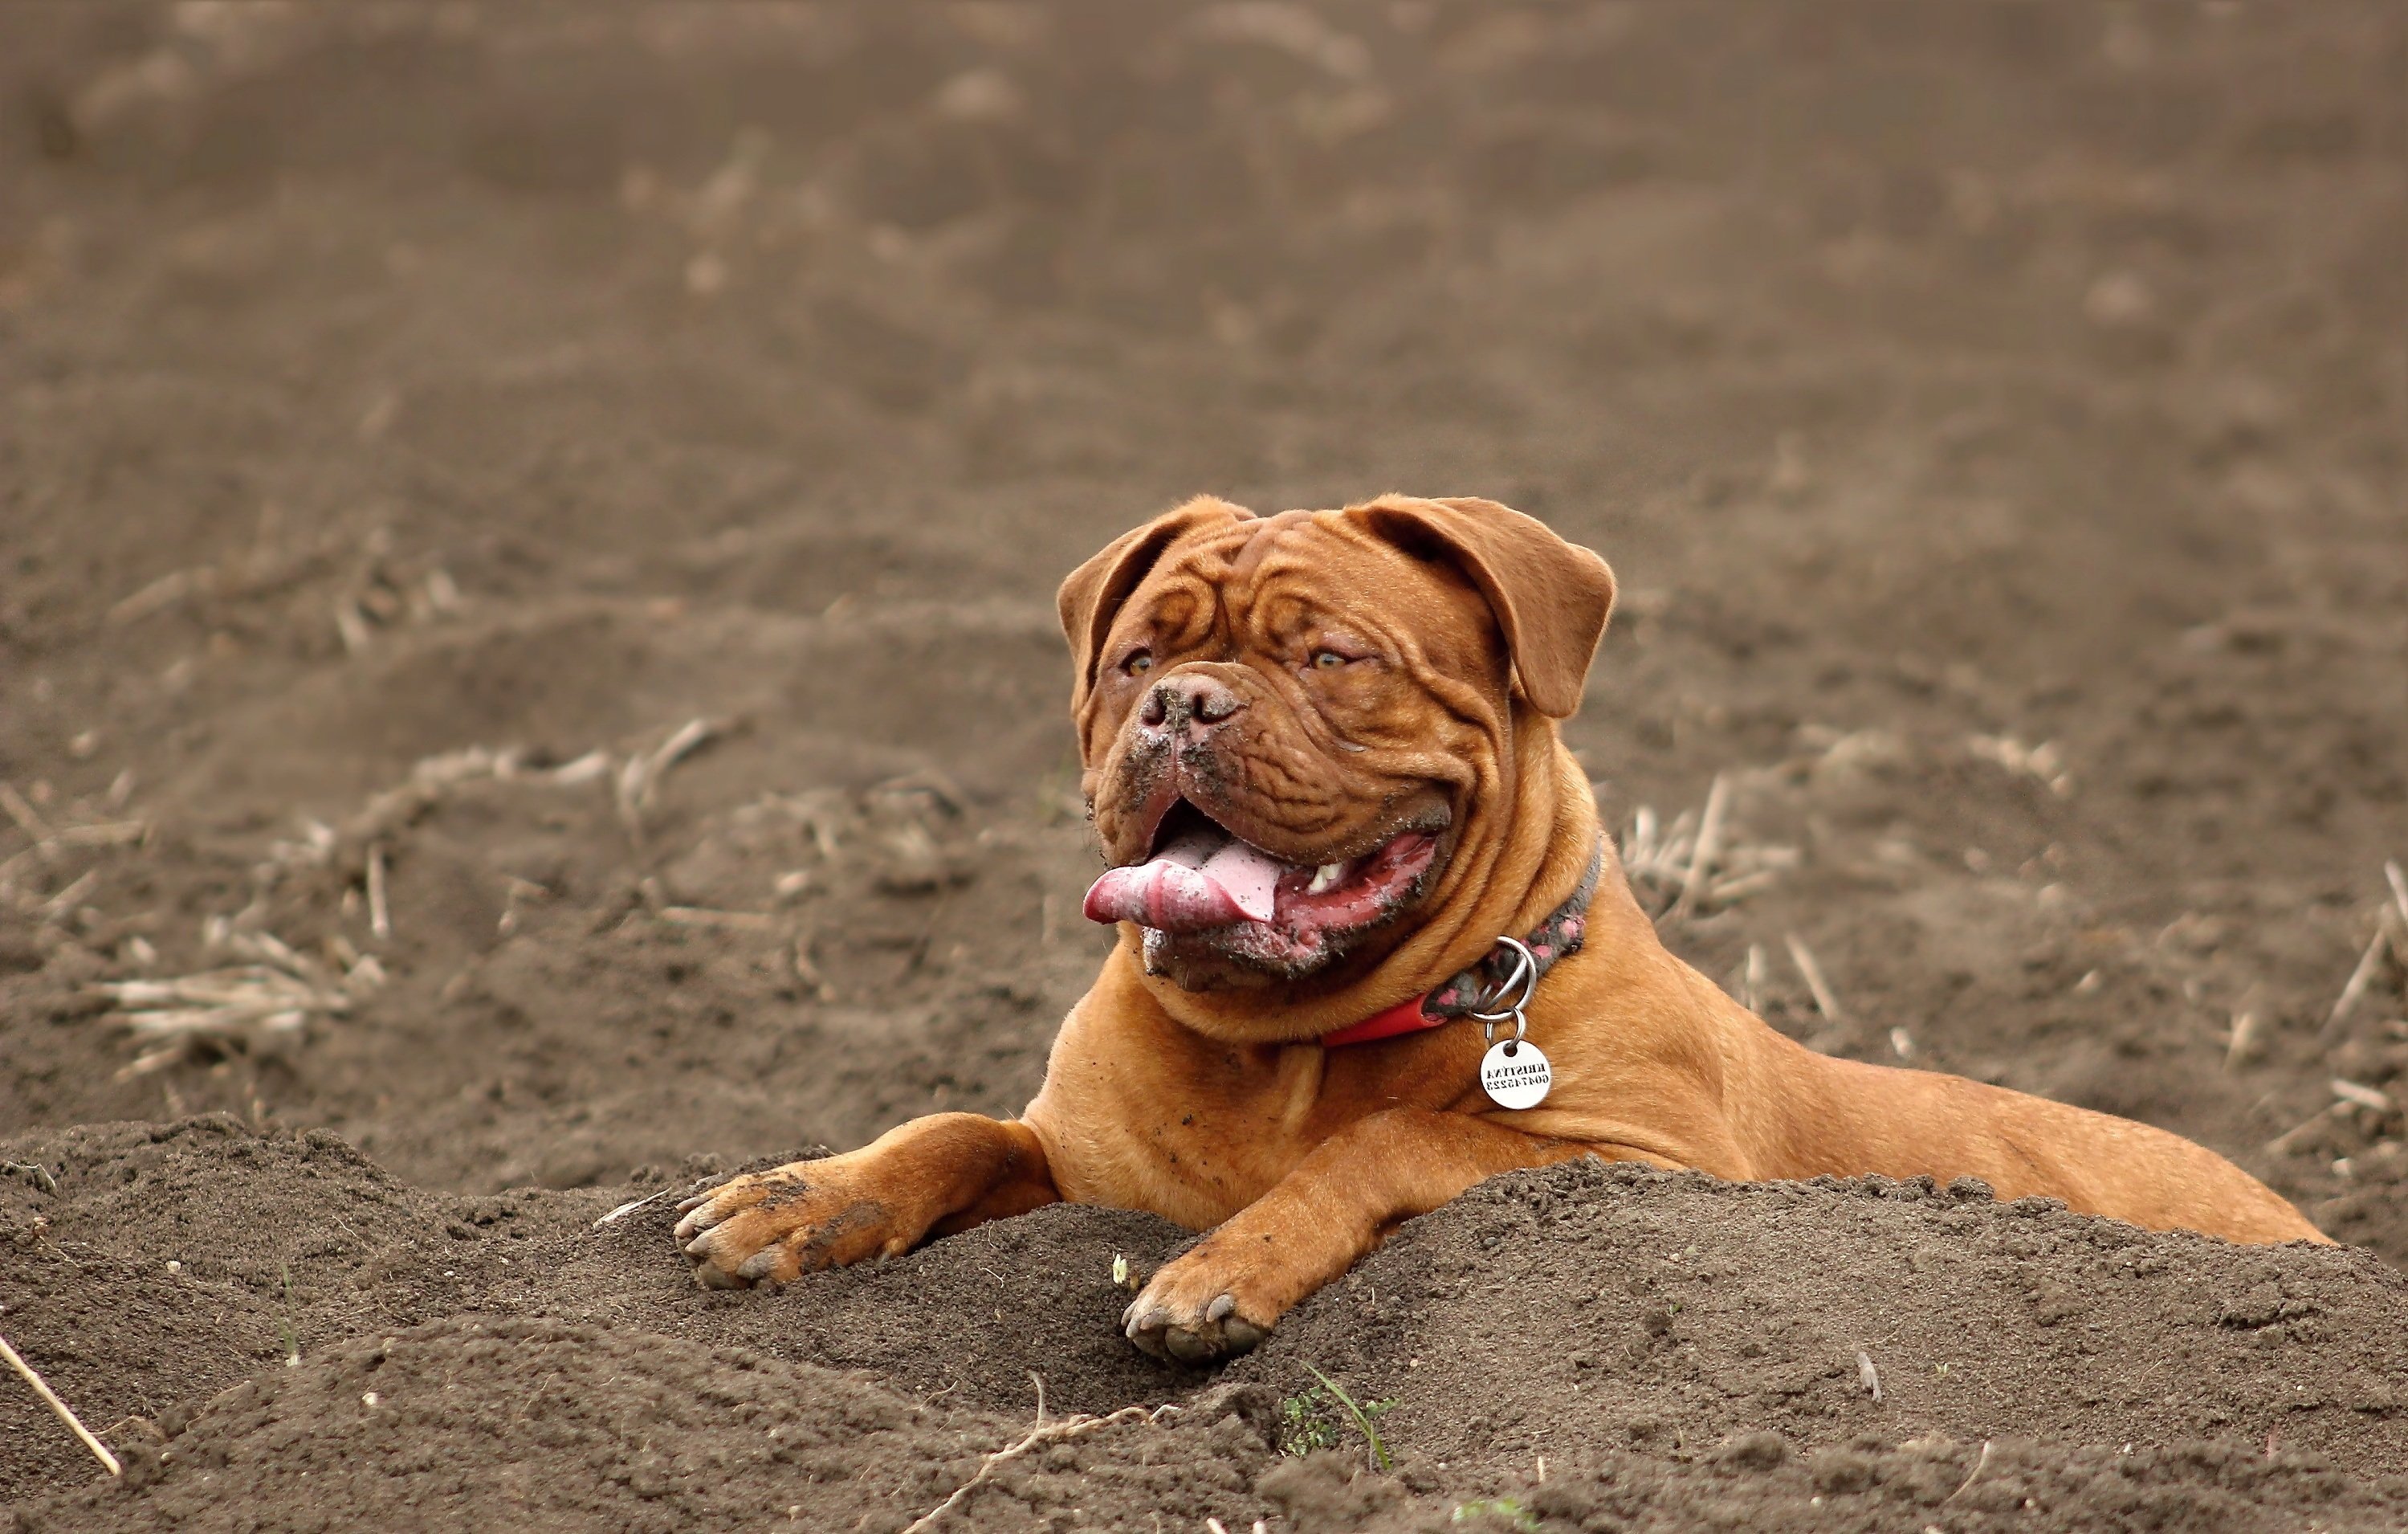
(1284, 721)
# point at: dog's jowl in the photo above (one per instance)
(1350, 860)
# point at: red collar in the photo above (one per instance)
(1406, 1016)
(1558, 937)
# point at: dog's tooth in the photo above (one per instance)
(1325, 878)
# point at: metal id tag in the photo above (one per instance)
(1514, 1074)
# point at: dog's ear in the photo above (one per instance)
(1551, 598)
(1091, 598)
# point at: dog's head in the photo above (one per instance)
(1289, 724)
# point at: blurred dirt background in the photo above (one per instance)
(526, 547)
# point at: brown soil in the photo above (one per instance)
(387, 384)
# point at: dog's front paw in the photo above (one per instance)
(773, 1226)
(1199, 1308)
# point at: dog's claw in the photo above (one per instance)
(758, 1265)
(702, 1218)
(1220, 1307)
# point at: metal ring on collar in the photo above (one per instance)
(1524, 978)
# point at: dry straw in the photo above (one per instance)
(261, 1005)
(2390, 932)
(1036, 1438)
(50, 1398)
(1803, 957)
(1694, 864)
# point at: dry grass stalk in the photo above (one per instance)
(2043, 761)
(35, 1169)
(2284, 1143)
(2360, 978)
(2398, 883)
(1710, 832)
(351, 625)
(1976, 1475)
(160, 594)
(28, 819)
(107, 833)
(1694, 864)
(258, 1006)
(379, 912)
(57, 907)
(66, 1415)
(386, 813)
(48, 842)
(808, 972)
(728, 921)
(2244, 1042)
(1803, 957)
(639, 780)
(634, 1204)
(1036, 1438)
(585, 769)
(2362, 1095)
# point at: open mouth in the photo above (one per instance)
(1201, 877)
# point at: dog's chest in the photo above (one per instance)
(1193, 1141)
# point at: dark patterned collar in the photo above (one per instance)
(1477, 989)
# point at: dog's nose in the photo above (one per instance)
(1195, 703)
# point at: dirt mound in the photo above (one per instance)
(176, 1259)
(1582, 1340)
(572, 1427)
(1634, 1308)
(1754, 1482)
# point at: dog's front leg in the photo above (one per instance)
(939, 1174)
(1224, 1294)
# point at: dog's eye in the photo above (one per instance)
(1139, 663)
(1328, 660)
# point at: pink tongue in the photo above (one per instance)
(1197, 881)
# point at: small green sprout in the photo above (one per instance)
(1366, 1417)
(1303, 1428)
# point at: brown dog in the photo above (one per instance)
(1322, 755)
